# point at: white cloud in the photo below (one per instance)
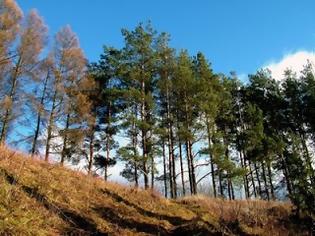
(294, 61)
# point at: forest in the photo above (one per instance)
(160, 112)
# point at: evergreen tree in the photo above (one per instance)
(186, 107)
(139, 74)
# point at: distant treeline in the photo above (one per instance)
(256, 137)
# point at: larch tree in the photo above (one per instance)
(10, 16)
(30, 45)
(69, 104)
(40, 97)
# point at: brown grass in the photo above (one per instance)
(37, 198)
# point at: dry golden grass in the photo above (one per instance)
(37, 198)
(254, 217)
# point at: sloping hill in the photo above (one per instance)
(37, 198)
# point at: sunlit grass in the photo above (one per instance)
(37, 198)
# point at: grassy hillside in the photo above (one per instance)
(37, 198)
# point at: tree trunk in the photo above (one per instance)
(8, 111)
(229, 189)
(181, 167)
(172, 168)
(171, 165)
(91, 149)
(252, 179)
(189, 167)
(193, 175)
(50, 125)
(108, 138)
(39, 116)
(211, 161)
(65, 141)
(144, 138)
(136, 175)
(134, 146)
(164, 169)
(308, 158)
(245, 177)
(107, 159)
(170, 172)
(173, 162)
(286, 174)
(270, 181)
(265, 180)
(258, 179)
(220, 184)
(232, 189)
(152, 172)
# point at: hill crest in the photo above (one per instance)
(45, 199)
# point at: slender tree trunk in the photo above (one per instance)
(232, 189)
(211, 161)
(8, 111)
(50, 126)
(107, 158)
(152, 172)
(189, 167)
(270, 182)
(65, 140)
(308, 158)
(252, 179)
(91, 149)
(144, 139)
(172, 167)
(265, 180)
(39, 116)
(229, 188)
(134, 146)
(164, 169)
(220, 184)
(170, 172)
(258, 179)
(108, 138)
(245, 178)
(286, 174)
(173, 163)
(136, 175)
(229, 182)
(193, 175)
(181, 167)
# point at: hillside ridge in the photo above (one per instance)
(38, 198)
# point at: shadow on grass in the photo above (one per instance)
(174, 220)
(195, 226)
(80, 225)
(111, 216)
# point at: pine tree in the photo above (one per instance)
(166, 66)
(208, 98)
(109, 104)
(139, 74)
(186, 106)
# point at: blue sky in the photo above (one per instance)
(238, 35)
